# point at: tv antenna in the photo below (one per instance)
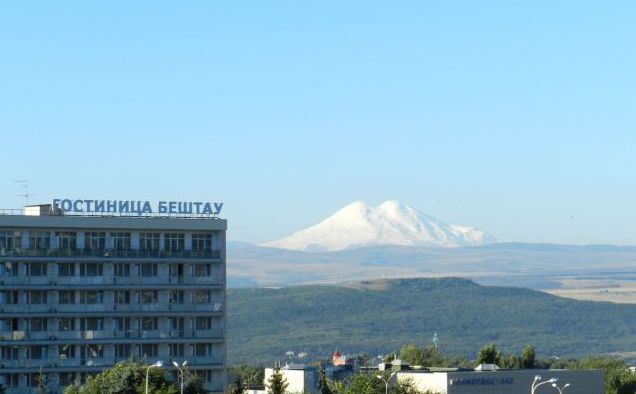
(24, 183)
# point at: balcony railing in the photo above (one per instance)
(112, 253)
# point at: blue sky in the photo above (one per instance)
(515, 117)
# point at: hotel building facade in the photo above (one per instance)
(81, 292)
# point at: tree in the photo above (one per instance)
(489, 354)
(41, 381)
(3, 390)
(362, 383)
(277, 384)
(193, 383)
(126, 377)
(527, 357)
(237, 387)
(412, 354)
(323, 382)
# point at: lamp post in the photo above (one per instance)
(536, 383)
(180, 368)
(560, 389)
(386, 381)
(157, 364)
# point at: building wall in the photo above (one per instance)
(35, 333)
(508, 382)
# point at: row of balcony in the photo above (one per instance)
(95, 362)
(111, 253)
(92, 308)
(109, 334)
(215, 280)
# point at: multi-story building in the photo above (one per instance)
(80, 292)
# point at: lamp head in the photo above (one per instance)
(378, 376)
(553, 380)
(157, 364)
(566, 385)
(175, 364)
(185, 363)
(537, 377)
(554, 384)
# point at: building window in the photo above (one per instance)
(67, 240)
(121, 241)
(202, 270)
(91, 324)
(10, 352)
(203, 323)
(94, 240)
(149, 241)
(149, 323)
(149, 350)
(92, 351)
(174, 242)
(36, 297)
(202, 349)
(91, 296)
(66, 352)
(91, 269)
(148, 269)
(123, 324)
(65, 269)
(39, 240)
(122, 297)
(66, 378)
(36, 352)
(202, 297)
(10, 240)
(38, 324)
(176, 297)
(177, 350)
(11, 297)
(122, 270)
(66, 297)
(36, 269)
(12, 379)
(122, 351)
(66, 324)
(201, 242)
(8, 268)
(148, 297)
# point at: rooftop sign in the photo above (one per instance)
(137, 207)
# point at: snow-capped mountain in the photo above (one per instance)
(390, 223)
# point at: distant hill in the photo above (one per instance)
(377, 317)
(390, 223)
(527, 265)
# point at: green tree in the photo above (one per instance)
(489, 354)
(323, 382)
(277, 384)
(237, 387)
(527, 357)
(41, 381)
(362, 383)
(126, 377)
(193, 384)
(412, 354)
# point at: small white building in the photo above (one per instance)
(300, 378)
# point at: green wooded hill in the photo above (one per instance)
(377, 317)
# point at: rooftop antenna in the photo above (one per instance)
(435, 340)
(25, 184)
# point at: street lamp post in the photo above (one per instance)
(561, 389)
(536, 383)
(157, 364)
(386, 381)
(180, 368)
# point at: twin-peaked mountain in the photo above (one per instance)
(390, 223)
